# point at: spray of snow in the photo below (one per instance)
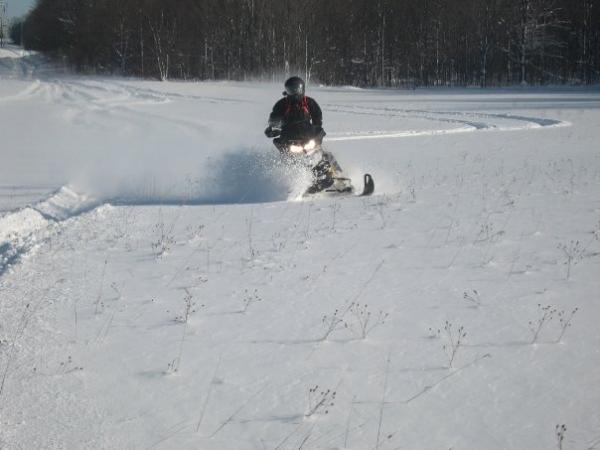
(246, 175)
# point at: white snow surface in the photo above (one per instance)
(163, 286)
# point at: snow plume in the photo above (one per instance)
(191, 149)
(241, 175)
(250, 177)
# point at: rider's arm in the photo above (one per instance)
(315, 113)
(277, 115)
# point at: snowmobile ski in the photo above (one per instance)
(369, 186)
(345, 187)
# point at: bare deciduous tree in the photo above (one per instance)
(399, 43)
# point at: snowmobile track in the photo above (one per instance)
(469, 121)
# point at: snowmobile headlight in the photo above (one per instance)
(296, 149)
(310, 145)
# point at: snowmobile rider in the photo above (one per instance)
(298, 119)
(295, 117)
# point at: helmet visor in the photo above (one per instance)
(294, 89)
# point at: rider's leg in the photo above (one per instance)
(336, 170)
(338, 181)
(279, 144)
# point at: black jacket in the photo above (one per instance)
(296, 117)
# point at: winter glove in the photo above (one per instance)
(271, 133)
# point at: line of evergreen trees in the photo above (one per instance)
(404, 43)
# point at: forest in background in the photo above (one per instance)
(385, 43)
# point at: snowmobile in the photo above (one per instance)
(296, 124)
(326, 172)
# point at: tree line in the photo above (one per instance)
(397, 43)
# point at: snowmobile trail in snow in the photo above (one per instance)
(468, 121)
(30, 91)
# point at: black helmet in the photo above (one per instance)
(294, 86)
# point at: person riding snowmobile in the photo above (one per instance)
(297, 117)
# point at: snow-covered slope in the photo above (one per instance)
(163, 287)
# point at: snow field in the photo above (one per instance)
(179, 295)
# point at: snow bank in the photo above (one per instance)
(17, 235)
(20, 230)
(66, 203)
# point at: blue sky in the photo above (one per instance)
(18, 7)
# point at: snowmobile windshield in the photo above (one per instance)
(299, 131)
